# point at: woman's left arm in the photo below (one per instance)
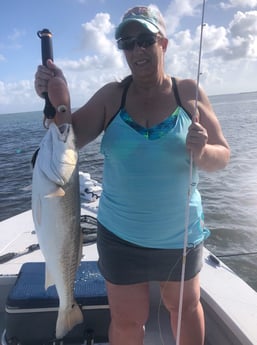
(205, 138)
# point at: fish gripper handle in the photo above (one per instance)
(47, 53)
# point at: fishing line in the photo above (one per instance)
(164, 287)
(199, 59)
(187, 212)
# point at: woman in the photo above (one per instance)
(150, 126)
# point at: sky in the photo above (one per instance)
(85, 48)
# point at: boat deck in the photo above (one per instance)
(230, 305)
(154, 335)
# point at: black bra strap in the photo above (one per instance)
(123, 99)
(176, 94)
(124, 94)
(175, 89)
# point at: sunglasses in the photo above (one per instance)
(143, 40)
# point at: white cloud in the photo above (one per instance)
(102, 63)
(215, 38)
(183, 49)
(96, 31)
(96, 39)
(17, 95)
(178, 9)
(228, 50)
(244, 24)
(239, 4)
(243, 36)
(236, 41)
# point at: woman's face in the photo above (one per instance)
(145, 56)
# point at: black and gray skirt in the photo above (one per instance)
(124, 263)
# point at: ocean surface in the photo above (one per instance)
(229, 196)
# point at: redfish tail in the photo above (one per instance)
(67, 319)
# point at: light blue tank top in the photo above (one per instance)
(146, 183)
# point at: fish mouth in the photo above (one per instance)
(64, 130)
(65, 127)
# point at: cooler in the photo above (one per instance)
(31, 312)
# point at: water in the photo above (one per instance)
(229, 196)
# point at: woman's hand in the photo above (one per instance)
(209, 147)
(44, 75)
(50, 79)
(197, 139)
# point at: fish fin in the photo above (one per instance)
(48, 278)
(67, 319)
(57, 193)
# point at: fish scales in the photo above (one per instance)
(56, 215)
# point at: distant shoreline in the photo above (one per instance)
(210, 96)
(233, 93)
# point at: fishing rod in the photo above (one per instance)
(236, 254)
(216, 261)
(187, 212)
(47, 53)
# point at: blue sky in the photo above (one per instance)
(84, 45)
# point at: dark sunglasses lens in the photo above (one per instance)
(127, 43)
(144, 40)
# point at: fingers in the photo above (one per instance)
(44, 75)
(57, 72)
(197, 137)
